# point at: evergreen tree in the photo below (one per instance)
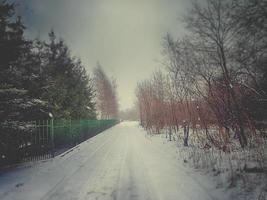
(36, 78)
(66, 86)
(16, 105)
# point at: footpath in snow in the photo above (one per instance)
(121, 163)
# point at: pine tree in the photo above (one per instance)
(36, 78)
(16, 104)
(66, 85)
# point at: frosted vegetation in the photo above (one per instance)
(211, 96)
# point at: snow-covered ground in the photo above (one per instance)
(122, 163)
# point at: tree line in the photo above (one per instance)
(106, 94)
(42, 79)
(214, 77)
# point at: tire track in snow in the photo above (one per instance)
(65, 179)
(101, 186)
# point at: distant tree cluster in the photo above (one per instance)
(215, 76)
(130, 114)
(106, 94)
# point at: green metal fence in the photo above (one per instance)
(44, 138)
(72, 132)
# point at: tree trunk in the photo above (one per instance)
(186, 135)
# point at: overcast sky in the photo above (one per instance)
(125, 36)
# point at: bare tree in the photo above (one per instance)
(215, 31)
(106, 94)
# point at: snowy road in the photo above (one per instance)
(118, 164)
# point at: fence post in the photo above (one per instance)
(70, 134)
(80, 131)
(52, 137)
